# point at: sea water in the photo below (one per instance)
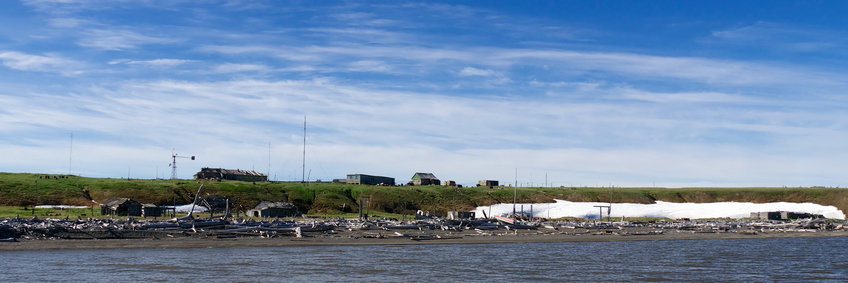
(783, 259)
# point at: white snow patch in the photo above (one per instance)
(60, 206)
(672, 210)
(187, 207)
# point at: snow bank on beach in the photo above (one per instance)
(672, 210)
(185, 208)
(60, 206)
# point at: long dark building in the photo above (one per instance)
(230, 174)
(362, 179)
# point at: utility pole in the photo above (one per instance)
(515, 192)
(71, 156)
(516, 178)
(269, 162)
(609, 208)
(303, 165)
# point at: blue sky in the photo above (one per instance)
(587, 93)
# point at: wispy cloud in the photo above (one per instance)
(362, 34)
(40, 63)
(645, 67)
(688, 97)
(67, 22)
(373, 125)
(785, 37)
(163, 62)
(469, 91)
(235, 68)
(369, 66)
(362, 19)
(471, 71)
(700, 70)
(119, 39)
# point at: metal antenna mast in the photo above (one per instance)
(269, 161)
(515, 192)
(303, 168)
(71, 156)
(173, 164)
(609, 208)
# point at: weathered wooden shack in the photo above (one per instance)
(121, 207)
(274, 209)
(487, 183)
(152, 210)
(230, 174)
(460, 215)
(424, 179)
(783, 215)
(216, 204)
(362, 179)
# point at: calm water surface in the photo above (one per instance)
(789, 259)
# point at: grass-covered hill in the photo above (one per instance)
(20, 189)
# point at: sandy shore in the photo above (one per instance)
(350, 239)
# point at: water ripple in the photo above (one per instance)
(787, 259)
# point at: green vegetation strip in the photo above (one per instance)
(21, 190)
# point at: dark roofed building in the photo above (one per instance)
(424, 179)
(783, 215)
(487, 183)
(274, 209)
(121, 207)
(230, 174)
(362, 179)
(151, 210)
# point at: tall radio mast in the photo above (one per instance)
(71, 156)
(173, 164)
(303, 165)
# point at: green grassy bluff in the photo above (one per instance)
(23, 189)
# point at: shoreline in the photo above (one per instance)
(149, 243)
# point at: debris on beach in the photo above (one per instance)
(12, 229)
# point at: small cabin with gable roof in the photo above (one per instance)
(120, 207)
(424, 179)
(274, 209)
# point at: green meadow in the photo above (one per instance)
(19, 192)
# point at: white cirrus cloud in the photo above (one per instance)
(784, 37)
(369, 66)
(119, 39)
(236, 68)
(67, 22)
(40, 63)
(162, 62)
(494, 62)
(471, 71)
(688, 97)
(577, 142)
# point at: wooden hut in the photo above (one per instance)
(274, 209)
(121, 207)
(424, 179)
(152, 210)
(487, 183)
